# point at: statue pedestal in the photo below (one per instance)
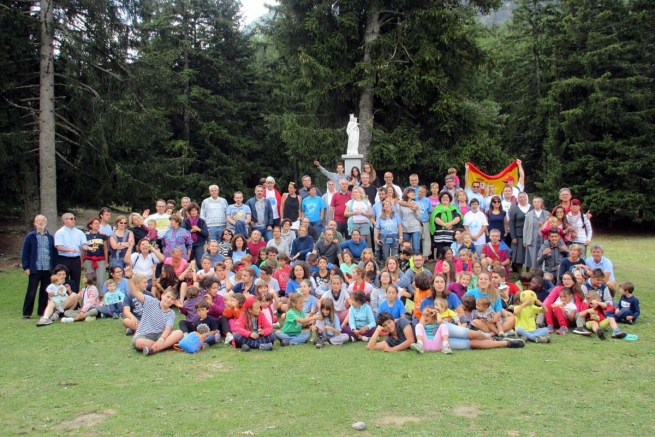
(350, 161)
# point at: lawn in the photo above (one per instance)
(85, 379)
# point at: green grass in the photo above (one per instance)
(574, 386)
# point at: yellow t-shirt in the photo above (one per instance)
(448, 314)
(526, 319)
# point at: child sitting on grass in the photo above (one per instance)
(211, 337)
(155, 332)
(598, 317)
(90, 301)
(253, 330)
(361, 322)
(526, 324)
(564, 310)
(188, 308)
(431, 333)
(291, 332)
(113, 301)
(327, 326)
(392, 304)
(57, 295)
(232, 312)
(483, 315)
(628, 306)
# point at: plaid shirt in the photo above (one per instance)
(42, 251)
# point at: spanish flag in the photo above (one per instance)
(473, 174)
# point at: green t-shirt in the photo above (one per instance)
(291, 327)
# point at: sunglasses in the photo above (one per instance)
(495, 201)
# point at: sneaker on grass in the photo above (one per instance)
(446, 350)
(617, 333)
(581, 330)
(562, 330)
(44, 321)
(544, 339)
(600, 334)
(266, 346)
(228, 338)
(67, 320)
(515, 343)
(417, 347)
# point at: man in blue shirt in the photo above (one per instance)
(425, 207)
(313, 207)
(69, 242)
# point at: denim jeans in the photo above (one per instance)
(415, 238)
(300, 338)
(215, 233)
(111, 309)
(531, 335)
(389, 246)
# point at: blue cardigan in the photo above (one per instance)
(30, 246)
(268, 211)
(302, 245)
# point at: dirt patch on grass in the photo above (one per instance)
(85, 420)
(391, 420)
(206, 371)
(466, 411)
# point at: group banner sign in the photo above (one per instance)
(473, 174)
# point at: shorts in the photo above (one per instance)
(604, 324)
(153, 337)
(58, 301)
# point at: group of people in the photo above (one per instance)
(345, 266)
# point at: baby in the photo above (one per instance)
(483, 316)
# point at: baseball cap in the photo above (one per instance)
(575, 202)
(509, 178)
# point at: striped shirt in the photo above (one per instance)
(153, 319)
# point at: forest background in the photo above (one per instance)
(161, 98)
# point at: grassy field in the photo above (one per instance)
(85, 379)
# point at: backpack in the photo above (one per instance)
(190, 344)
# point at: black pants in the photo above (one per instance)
(74, 270)
(43, 277)
(223, 326)
(342, 227)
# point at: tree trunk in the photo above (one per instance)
(47, 160)
(366, 98)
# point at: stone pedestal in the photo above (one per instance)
(350, 161)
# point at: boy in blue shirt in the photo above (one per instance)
(627, 308)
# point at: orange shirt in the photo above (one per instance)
(231, 313)
(419, 295)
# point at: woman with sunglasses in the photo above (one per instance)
(225, 245)
(496, 216)
(120, 240)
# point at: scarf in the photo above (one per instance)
(193, 221)
(444, 213)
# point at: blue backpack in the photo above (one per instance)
(190, 344)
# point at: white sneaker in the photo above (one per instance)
(417, 347)
(510, 333)
(44, 321)
(55, 316)
(365, 338)
(446, 350)
(228, 338)
(276, 325)
(67, 320)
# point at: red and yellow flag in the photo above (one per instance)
(498, 181)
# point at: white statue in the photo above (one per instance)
(353, 136)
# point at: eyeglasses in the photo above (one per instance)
(476, 186)
(495, 201)
(70, 218)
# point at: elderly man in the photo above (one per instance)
(261, 213)
(338, 207)
(69, 242)
(214, 211)
(38, 258)
(274, 198)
